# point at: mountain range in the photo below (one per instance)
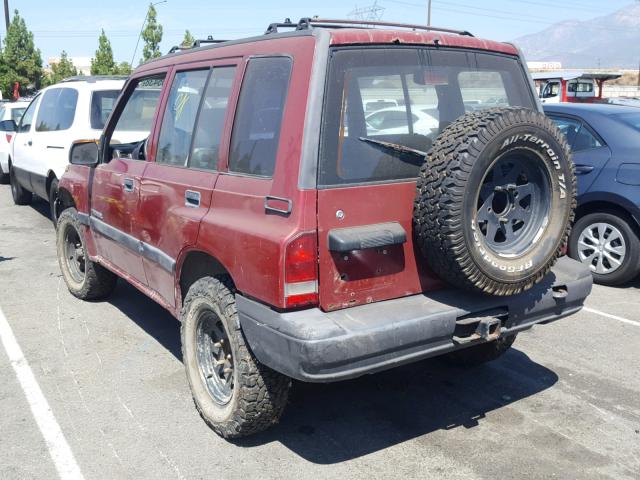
(611, 41)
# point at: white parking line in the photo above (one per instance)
(59, 449)
(614, 317)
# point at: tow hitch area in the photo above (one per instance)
(487, 327)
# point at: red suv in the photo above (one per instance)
(326, 202)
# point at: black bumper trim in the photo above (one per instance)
(316, 346)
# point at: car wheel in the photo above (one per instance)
(20, 195)
(4, 177)
(608, 244)
(235, 394)
(85, 279)
(483, 353)
(53, 201)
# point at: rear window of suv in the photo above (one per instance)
(419, 93)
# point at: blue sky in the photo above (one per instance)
(74, 25)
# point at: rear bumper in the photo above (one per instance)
(315, 346)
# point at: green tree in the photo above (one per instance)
(62, 69)
(103, 63)
(152, 36)
(188, 40)
(20, 60)
(123, 68)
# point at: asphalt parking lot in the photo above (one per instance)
(564, 403)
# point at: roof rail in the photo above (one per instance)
(93, 78)
(311, 22)
(196, 44)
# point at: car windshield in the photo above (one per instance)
(382, 99)
(631, 119)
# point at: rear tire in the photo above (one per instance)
(235, 394)
(618, 261)
(4, 177)
(53, 201)
(85, 279)
(20, 195)
(483, 353)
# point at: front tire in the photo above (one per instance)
(85, 279)
(235, 394)
(20, 195)
(608, 244)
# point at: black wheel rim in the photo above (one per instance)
(214, 356)
(74, 254)
(513, 204)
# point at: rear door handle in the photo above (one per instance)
(191, 199)
(29, 142)
(128, 185)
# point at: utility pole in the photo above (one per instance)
(6, 13)
(429, 13)
(141, 29)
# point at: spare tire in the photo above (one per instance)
(495, 200)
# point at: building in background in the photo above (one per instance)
(83, 64)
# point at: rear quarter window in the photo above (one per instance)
(102, 103)
(256, 128)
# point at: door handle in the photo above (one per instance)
(191, 199)
(128, 185)
(29, 142)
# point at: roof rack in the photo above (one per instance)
(308, 23)
(196, 44)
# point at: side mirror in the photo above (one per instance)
(8, 126)
(84, 152)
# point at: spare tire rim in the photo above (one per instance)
(513, 203)
(74, 254)
(214, 356)
(602, 247)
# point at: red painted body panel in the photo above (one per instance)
(349, 36)
(76, 181)
(119, 210)
(164, 220)
(371, 275)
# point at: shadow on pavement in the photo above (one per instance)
(149, 316)
(332, 423)
(41, 207)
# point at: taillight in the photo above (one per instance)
(301, 271)
(9, 137)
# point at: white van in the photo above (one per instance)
(74, 109)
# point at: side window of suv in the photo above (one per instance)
(27, 118)
(256, 129)
(208, 133)
(57, 110)
(133, 122)
(180, 116)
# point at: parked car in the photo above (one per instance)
(393, 120)
(257, 209)
(75, 109)
(10, 114)
(605, 140)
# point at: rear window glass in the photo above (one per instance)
(57, 110)
(256, 129)
(102, 103)
(405, 97)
